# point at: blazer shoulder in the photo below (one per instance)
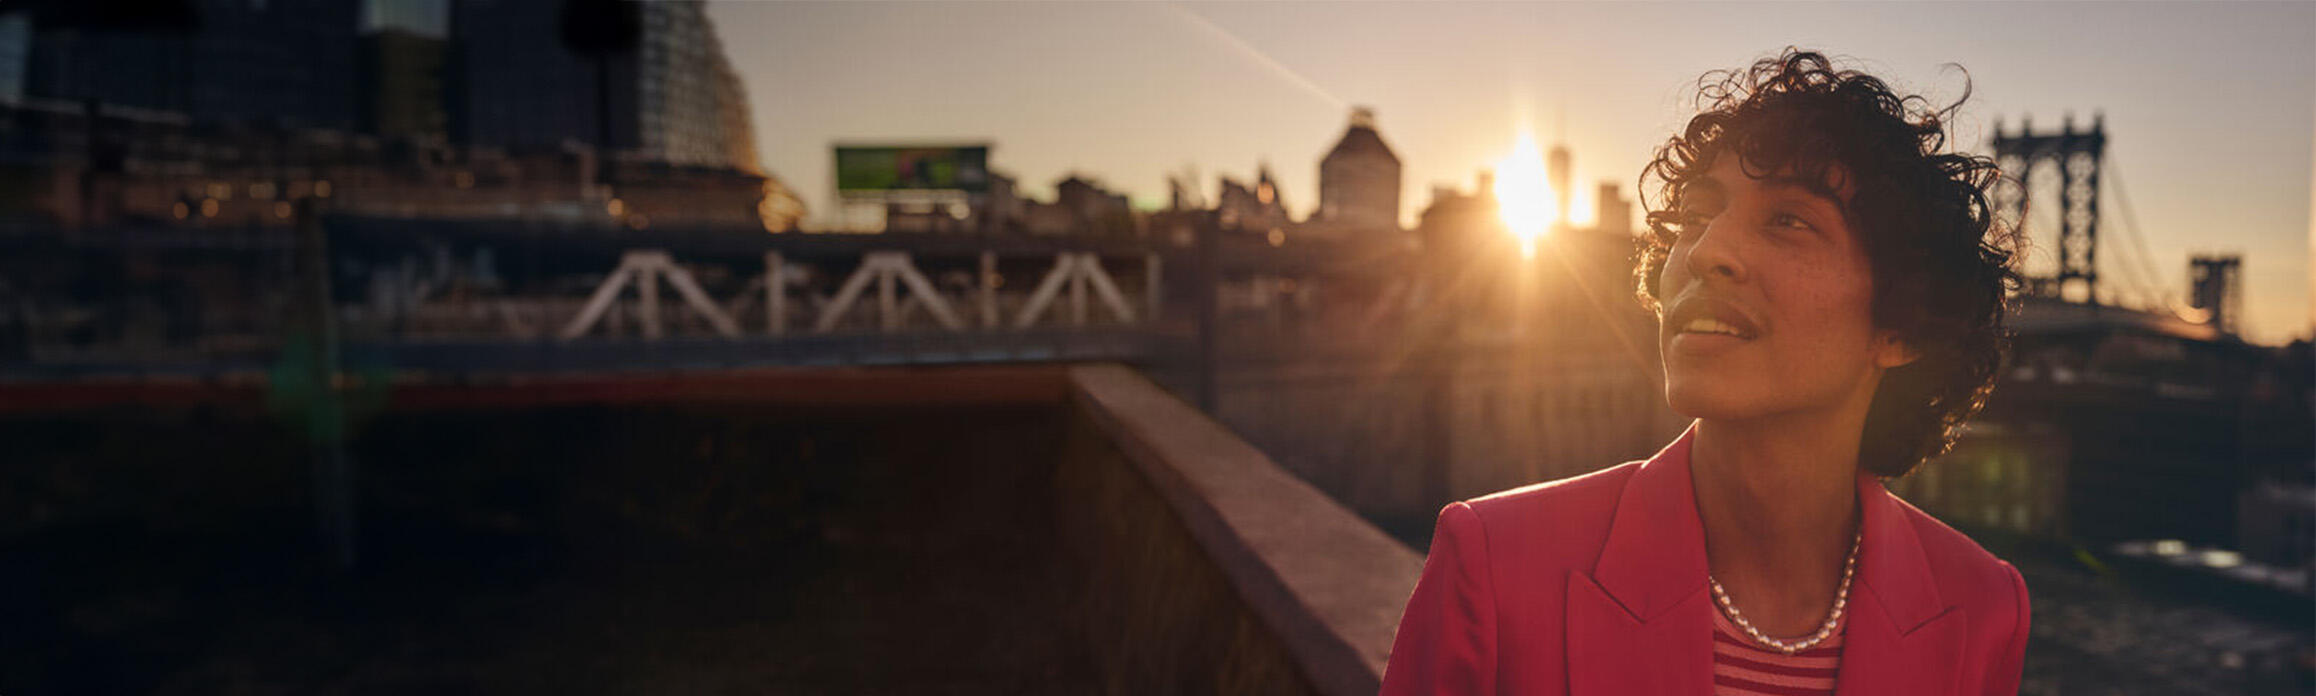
(1597, 489)
(1966, 572)
(1566, 518)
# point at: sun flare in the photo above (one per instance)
(1524, 193)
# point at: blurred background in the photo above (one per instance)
(513, 346)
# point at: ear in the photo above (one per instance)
(1891, 353)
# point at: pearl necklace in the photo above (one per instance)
(1832, 620)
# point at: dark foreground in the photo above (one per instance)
(571, 550)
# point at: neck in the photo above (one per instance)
(1778, 500)
(1774, 487)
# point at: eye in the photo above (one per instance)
(1694, 217)
(1790, 220)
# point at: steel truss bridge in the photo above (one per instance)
(497, 296)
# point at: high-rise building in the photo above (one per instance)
(514, 84)
(1615, 213)
(1359, 180)
(400, 64)
(289, 61)
(15, 54)
(401, 86)
(690, 106)
(1561, 171)
(674, 98)
(739, 129)
(421, 17)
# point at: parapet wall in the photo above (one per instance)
(1214, 570)
(960, 529)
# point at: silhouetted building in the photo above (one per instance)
(402, 88)
(1561, 172)
(513, 83)
(1614, 214)
(1358, 181)
(166, 169)
(1256, 209)
(2278, 524)
(690, 106)
(1093, 209)
(291, 61)
(675, 98)
(15, 54)
(401, 62)
(735, 142)
(421, 17)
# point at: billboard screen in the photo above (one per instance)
(868, 170)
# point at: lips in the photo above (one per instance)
(1698, 314)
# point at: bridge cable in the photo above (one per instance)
(2136, 261)
(2164, 296)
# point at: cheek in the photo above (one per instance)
(1674, 274)
(1833, 298)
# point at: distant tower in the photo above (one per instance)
(2215, 284)
(1359, 179)
(1266, 188)
(399, 69)
(1562, 181)
(2075, 155)
(1615, 213)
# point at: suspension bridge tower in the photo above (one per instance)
(2073, 157)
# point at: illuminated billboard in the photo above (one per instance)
(870, 170)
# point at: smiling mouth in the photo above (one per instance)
(1704, 325)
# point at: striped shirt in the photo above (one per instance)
(1742, 667)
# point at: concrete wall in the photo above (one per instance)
(1325, 586)
(1027, 529)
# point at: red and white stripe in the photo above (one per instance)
(1742, 667)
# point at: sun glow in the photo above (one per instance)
(1524, 194)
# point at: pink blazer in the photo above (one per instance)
(1596, 585)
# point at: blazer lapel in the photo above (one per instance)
(1612, 651)
(1641, 622)
(1902, 637)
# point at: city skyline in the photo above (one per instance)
(1133, 94)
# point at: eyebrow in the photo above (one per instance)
(1815, 189)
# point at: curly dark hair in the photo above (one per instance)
(1943, 267)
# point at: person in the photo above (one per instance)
(1831, 287)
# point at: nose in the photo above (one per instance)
(1714, 254)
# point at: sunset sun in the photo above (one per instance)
(1524, 194)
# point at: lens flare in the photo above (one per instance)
(1524, 194)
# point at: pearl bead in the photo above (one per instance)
(1825, 630)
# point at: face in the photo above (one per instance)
(1768, 302)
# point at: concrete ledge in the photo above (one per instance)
(1326, 583)
(1173, 556)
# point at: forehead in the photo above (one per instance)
(1730, 174)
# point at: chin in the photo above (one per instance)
(1710, 398)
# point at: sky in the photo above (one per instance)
(2210, 109)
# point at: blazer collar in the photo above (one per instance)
(1641, 622)
(1891, 563)
(1655, 554)
(1902, 638)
